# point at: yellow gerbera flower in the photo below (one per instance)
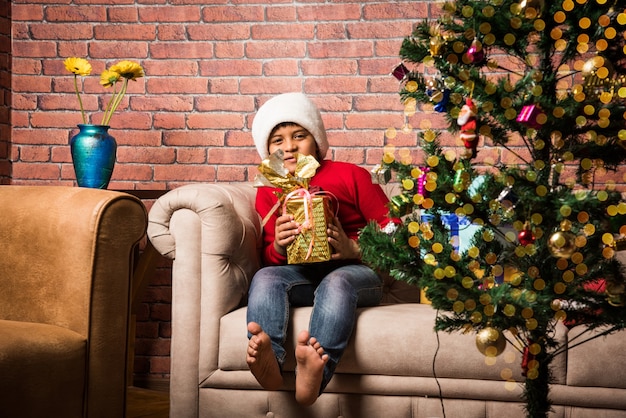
(78, 66)
(108, 78)
(128, 69)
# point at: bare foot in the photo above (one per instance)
(261, 359)
(310, 359)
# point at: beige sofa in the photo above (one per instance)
(396, 365)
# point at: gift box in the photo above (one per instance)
(311, 244)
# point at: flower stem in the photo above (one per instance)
(80, 101)
(115, 102)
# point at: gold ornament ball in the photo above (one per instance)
(490, 342)
(562, 244)
(538, 5)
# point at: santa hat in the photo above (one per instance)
(288, 107)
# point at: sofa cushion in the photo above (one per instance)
(375, 347)
(44, 353)
(588, 363)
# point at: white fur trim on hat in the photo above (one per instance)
(288, 107)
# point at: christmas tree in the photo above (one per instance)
(532, 95)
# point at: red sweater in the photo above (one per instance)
(359, 201)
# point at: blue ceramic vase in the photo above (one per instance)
(93, 155)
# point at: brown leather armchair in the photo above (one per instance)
(65, 286)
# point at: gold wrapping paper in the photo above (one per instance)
(272, 172)
(311, 245)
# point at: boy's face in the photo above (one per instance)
(292, 139)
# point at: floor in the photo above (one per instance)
(144, 403)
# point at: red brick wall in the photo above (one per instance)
(208, 67)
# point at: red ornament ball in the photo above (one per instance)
(526, 237)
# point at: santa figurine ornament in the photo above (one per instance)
(467, 122)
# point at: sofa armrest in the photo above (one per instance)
(67, 261)
(213, 234)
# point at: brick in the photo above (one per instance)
(137, 138)
(169, 121)
(181, 67)
(132, 172)
(231, 173)
(273, 50)
(377, 66)
(201, 138)
(170, 14)
(24, 101)
(231, 156)
(172, 32)
(61, 31)
(160, 365)
(266, 85)
(148, 330)
(232, 14)
(239, 138)
(329, 67)
(38, 49)
(129, 120)
(218, 32)
(173, 50)
(364, 139)
(55, 119)
(146, 155)
(327, 31)
(327, 12)
(61, 154)
(214, 121)
(224, 86)
(396, 10)
(122, 14)
(72, 49)
(136, 32)
(174, 104)
(281, 14)
(379, 30)
(26, 66)
(36, 171)
(214, 103)
(229, 50)
(118, 50)
(152, 347)
(26, 12)
(184, 173)
(283, 31)
(341, 49)
(34, 153)
(339, 84)
(378, 102)
(191, 155)
(179, 85)
(388, 48)
(212, 68)
(281, 68)
(73, 13)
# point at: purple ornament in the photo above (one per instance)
(400, 72)
(475, 52)
(421, 182)
(528, 116)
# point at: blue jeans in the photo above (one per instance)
(334, 289)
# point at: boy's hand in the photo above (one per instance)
(285, 232)
(345, 247)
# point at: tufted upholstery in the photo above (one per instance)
(394, 365)
(64, 299)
